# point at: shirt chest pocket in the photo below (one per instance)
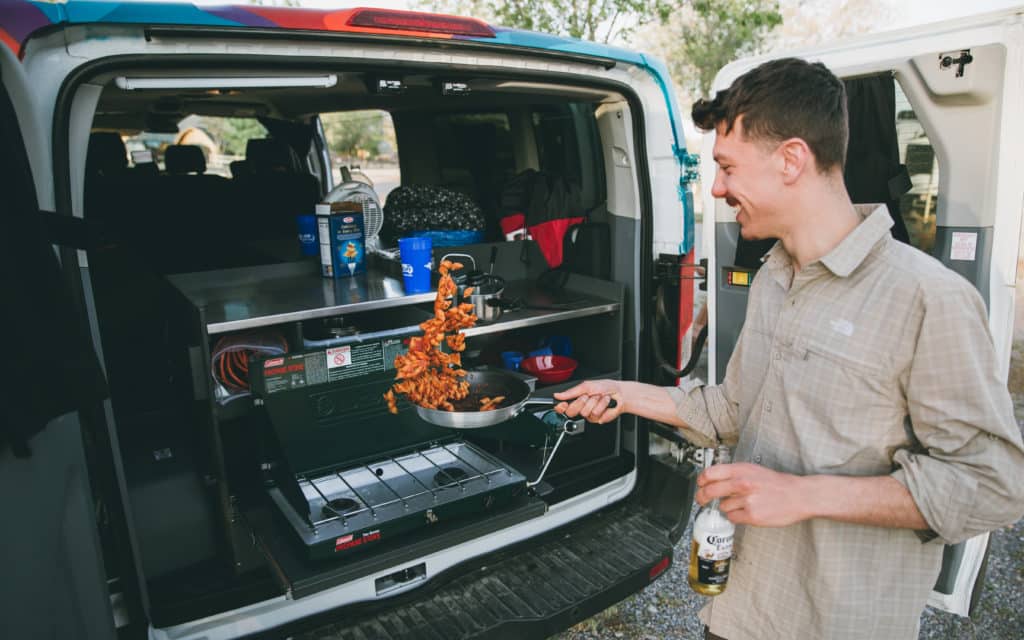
(857, 375)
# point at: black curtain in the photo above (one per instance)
(49, 367)
(873, 170)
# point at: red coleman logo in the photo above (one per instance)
(349, 541)
(348, 219)
(276, 362)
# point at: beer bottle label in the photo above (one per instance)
(714, 553)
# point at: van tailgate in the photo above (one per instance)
(542, 586)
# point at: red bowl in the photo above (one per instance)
(549, 369)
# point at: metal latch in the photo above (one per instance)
(401, 580)
(669, 268)
(960, 59)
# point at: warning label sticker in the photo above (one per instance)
(339, 357)
(354, 360)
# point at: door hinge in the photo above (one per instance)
(959, 59)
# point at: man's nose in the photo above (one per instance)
(718, 189)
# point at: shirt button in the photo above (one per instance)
(768, 406)
(757, 459)
(777, 355)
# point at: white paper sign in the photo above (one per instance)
(964, 247)
(339, 357)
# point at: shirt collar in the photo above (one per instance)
(851, 251)
(855, 247)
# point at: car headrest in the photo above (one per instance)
(267, 155)
(239, 168)
(106, 154)
(184, 158)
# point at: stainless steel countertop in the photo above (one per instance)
(248, 297)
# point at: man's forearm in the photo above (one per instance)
(880, 501)
(651, 402)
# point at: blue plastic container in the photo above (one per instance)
(511, 359)
(560, 345)
(307, 234)
(452, 237)
(416, 263)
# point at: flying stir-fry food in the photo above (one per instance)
(427, 376)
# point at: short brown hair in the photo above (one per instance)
(782, 99)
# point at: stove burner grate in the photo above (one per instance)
(450, 475)
(340, 506)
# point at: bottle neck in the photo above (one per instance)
(718, 455)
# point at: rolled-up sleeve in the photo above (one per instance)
(710, 413)
(709, 416)
(967, 475)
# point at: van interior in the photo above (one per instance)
(235, 496)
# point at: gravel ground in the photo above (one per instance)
(667, 609)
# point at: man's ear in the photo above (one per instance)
(796, 158)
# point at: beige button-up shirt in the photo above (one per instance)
(875, 360)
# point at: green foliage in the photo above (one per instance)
(716, 33)
(595, 20)
(233, 133)
(359, 134)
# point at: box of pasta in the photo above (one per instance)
(341, 234)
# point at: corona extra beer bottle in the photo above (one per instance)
(711, 549)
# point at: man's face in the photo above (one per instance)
(749, 180)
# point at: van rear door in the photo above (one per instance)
(956, 92)
(54, 583)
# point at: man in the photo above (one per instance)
(863, 397)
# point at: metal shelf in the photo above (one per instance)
(251, 297)
(534, 317)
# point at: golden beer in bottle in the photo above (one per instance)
(711, 548)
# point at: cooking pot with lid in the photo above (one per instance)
(487, 287)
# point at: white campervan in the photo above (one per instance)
(194, 439)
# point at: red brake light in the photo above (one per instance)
(415, 21)
(659, 568)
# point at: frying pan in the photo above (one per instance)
(487, 384)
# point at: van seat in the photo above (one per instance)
(274, 190)
(106, 154)
(180, 159)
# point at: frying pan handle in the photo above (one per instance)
(550, 402)
(546, 402)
